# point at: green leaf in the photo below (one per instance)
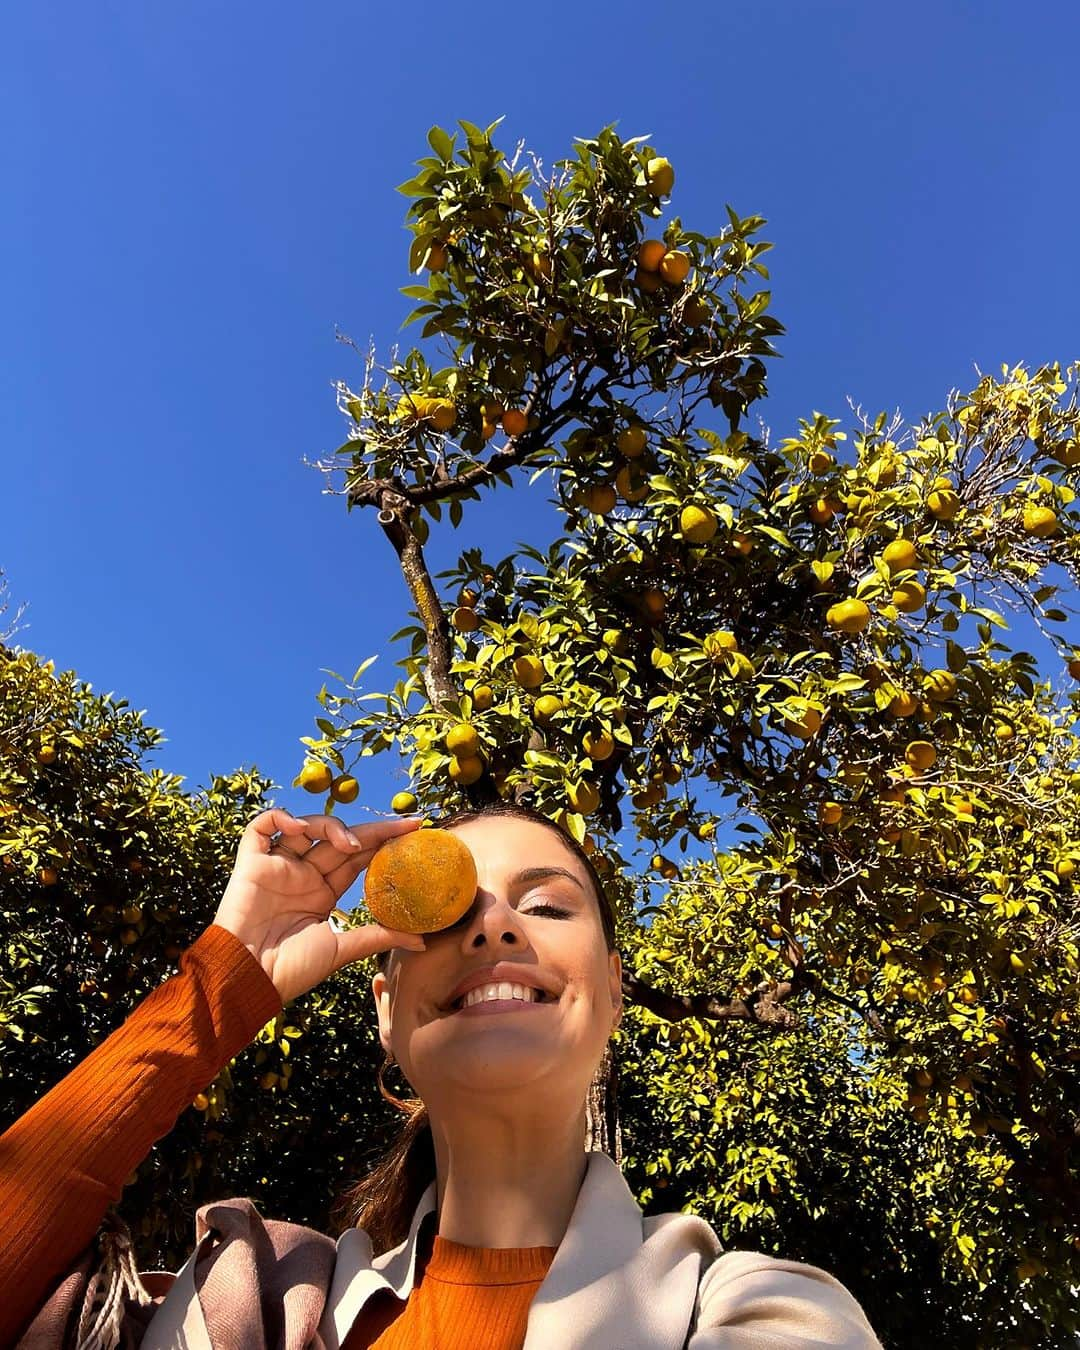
(441, 143)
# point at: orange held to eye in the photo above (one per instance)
(420, 882)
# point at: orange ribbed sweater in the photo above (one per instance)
(65, 1161)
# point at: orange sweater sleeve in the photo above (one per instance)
(66, 1160)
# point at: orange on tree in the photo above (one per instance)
(805, 724)
(660, 176)
(649, 282)
(820, 461)
(740, 542)
(482, 696)
(436, 258)
(675, 267)
(315, 777)
(465, 619)
(344, 788)
(631, 442)
(1073, 667)
(599, 499)
(528, 671)
(909, 596)
(652, 604)
(943, 502)
(939, 685)
(404, 803)
(442, 413)
(695, 312)
(830, 813)
(921, 755)
(514, 422)
(420, 882)
(900, 555)
(822, 511)
(903, 704)
(46, 753)
(48, 876)
(1040, 521)
(546, 706)
(848, 616)
(583, 797)
(650, 795)
(598, 745)
(632, 484)
(469, 598)
(698, 524)
(466, 770)
(650, 253)
(462, 740)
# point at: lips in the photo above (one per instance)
(503, 972)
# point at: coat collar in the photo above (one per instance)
(602, 1288)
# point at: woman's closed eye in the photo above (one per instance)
(549, 909)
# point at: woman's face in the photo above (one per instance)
(450, 1056)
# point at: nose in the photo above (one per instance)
(492, 922)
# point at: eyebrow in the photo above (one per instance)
(542, 873)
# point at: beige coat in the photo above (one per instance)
(619, 1281)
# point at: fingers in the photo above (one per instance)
(333, 840)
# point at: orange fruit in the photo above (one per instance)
(1040, 521)
(315, 777)
(441, 413)
(807, 724)
(829, 813)
(939, 685)
(943, 503)
(529, 672)
(420, 882)
(466, 770)
(904, 704)
(909, 596)
(436, 259)
(697, 523)
(488, 429)
(695, 312)
(599, 499)
(465, 619)
(468, 598)
(598, 745)
(921, 755)
(404, 803)
(462, 740)
(48, 876)
(822, 511)
(514, 422)
(344, 788)
(583, 797)
(631, 484)
(660, 175)
(482, 696)
(631, 442)
(741, 543)
(650, 253)
(1074, 667)
(546, 706)
(652, 604)
(647, 281)
(820, 461)
(900, 555)
(675, 267)
(848, 616)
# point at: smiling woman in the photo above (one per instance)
(559, 886)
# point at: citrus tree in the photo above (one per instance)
(788, 677)
(108, 871)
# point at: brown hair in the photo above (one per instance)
(384, 1201)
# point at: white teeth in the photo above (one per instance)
(503, 990)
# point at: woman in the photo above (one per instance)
(489, 1225)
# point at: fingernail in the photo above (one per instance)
(353, 839)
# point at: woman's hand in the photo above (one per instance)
(278, 900)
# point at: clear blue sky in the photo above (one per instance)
(198, 194)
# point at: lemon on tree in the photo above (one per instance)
(404, 803)
(1040, 521)
(939, 685)
(909, 596)
(546, 706)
